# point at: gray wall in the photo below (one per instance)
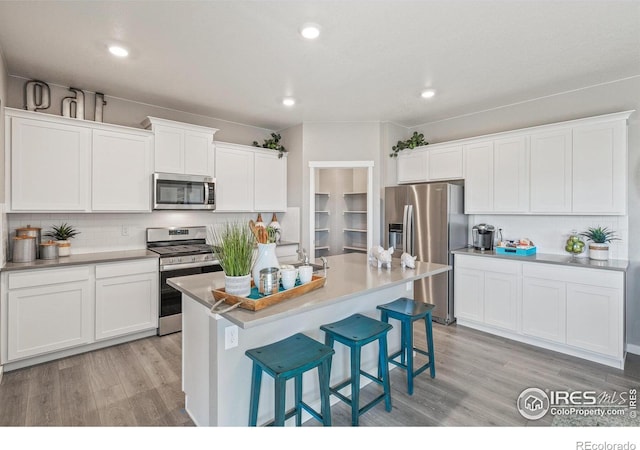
(341, 141)
(605, 98)
(129, 113)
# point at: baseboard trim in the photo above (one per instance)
(633, 348)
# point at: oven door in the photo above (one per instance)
(171, 299)
(176, 191)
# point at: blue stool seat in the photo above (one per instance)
(286, 359)
(408, 311)
(356, 331)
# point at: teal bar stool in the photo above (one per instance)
(355, 332)
(286, 359)
(408, 311)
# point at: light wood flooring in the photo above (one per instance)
(478, 380)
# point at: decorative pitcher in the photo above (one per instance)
(266, 258)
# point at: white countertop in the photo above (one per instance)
(348, 276)
(549, 258)
(82, 258)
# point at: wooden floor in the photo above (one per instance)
(479, 378)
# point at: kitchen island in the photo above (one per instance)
(217, 373)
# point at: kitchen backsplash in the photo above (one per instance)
(549, 233)
(110, 232)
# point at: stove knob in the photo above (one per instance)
(193, 259)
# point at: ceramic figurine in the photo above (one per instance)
(276, 226)
(259, 221)
(384, 258)
(373, 255)
(408, 261)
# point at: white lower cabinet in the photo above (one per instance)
(50, 313)
(126, 298)
(544, 308)
(486, 291)
(574, 310)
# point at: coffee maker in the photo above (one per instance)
(482, 235)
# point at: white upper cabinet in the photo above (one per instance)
(600, 168)
(68, 165)
(550, 171)
(50, 165)
(478, 168)
(430, 163)
(445, 163)
(511, 174)
(250, 179)
(234, 178)
(182, 148)
(270, 175)
(573, 167)
(122, 165)
(413, 165)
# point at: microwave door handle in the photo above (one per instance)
(206, 193)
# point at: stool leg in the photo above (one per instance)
(280, 389)
(384, 316)
(256, 380)
(432, 358)
(384, 363)
(298, 397)
(355, 385)
(325, 407)
(407, 330)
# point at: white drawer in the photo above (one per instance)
(593, 277)
(121, 268)
(41, 277)
(488, 263)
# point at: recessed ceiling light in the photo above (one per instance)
(288, 101)
(118, 51)
(428, 93)
(310, 31)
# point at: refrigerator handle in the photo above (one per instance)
(405, 227)
(410, 234)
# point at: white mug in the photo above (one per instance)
(288, 277)
(306, 272)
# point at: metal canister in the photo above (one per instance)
(31, 231)
(48, 250)
(24, 249)
(269, 281)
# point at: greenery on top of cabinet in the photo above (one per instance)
(272, 144)
(416, 140)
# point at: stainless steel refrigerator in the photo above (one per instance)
(427, 220)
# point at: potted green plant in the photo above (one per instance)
(62, 235)
(233, 246)
(600, 238)
(272, 144)
(416, 140)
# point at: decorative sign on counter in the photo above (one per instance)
(37, 97)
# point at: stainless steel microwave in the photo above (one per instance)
(178, 191)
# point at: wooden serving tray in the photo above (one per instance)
(256, 304)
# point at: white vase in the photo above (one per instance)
(64, 248)
(238, 286)
(266, 258)
(599, 252)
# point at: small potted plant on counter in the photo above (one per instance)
(62, 235)
(233, 244)
(600, 238)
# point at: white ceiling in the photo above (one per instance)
(236, 60)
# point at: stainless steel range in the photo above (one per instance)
(183, 251)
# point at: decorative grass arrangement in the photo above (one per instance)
(233, 245)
